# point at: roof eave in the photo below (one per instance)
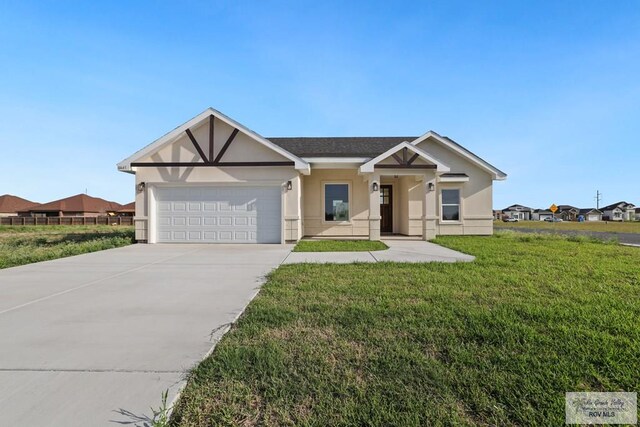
(495, 173)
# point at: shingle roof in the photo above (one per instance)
(13, 204)
(587, 210)
(361, 146)
(621, 205)
(562, 208)
(77, 203)
(517, 207)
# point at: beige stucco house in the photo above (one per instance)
(214, 180)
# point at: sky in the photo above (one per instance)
(548, 92)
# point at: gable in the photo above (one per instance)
(404, 156)
(455, 155)
(212, 139)
(242, 148)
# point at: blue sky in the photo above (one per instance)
(548, 92)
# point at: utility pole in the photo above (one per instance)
(598, 199)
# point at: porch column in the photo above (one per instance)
(429, 207)
(374, 207)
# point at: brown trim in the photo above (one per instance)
(398, 159)
(226, 145)
(287, 163)
(413, 158)
(404, 156)
(405, 166)
(195, 144)
(211, 120)
(218, 164)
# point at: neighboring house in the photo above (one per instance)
(127, 210)
(79, 205)
(214, 180)
(541, 214)
(519, 212)
(10, 205)
(567, 212)
(637, 214)
(591, 214)
(621, 211)
(497, 215)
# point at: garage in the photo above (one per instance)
(218, 214)
(593, 218)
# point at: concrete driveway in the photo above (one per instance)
(95, 339)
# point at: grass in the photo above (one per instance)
(339, 246)
(494, 342)
(27, 244)
(607, 226)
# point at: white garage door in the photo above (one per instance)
(225, 214)
(593, 217)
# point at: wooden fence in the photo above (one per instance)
(67, 220)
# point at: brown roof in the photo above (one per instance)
(129, 207)
(13, 204)
(77, 203)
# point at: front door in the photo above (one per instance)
(386, 210)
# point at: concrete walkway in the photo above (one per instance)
(400, 250)
(93, 340)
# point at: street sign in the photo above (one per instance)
(553, 208)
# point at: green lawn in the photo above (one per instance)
(27, 244)
(339, 246)
(608, 226)
(494, 342)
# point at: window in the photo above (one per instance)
(385, 195)
(336, 202)
(451, 205)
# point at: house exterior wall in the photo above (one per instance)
(314, 223)
(613, 215)
(541, 216)
(594, 216)
(476, 194)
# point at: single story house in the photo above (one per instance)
(567, 212)
(80, 205)
(127, 210)
(497, 215)
(591, 214)
(637, 214)
(541, 214)
(621, 211)
(10, 205)
(214, 180)
(519, 212)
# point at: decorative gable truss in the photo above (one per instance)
(450, 144)
(203, 134)
(404, 156)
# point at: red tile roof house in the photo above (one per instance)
(127, 210)
(10, 205)
(80, 205)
